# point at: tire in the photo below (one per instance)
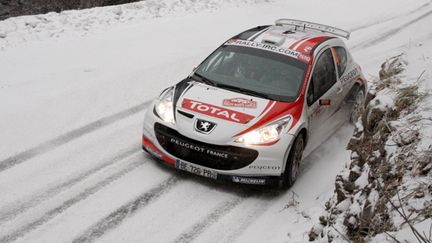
(293, 163)
(358, 99)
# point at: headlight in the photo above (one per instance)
(164, 106)
(267, 134)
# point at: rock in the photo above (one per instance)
(312, 235)
(419, 194)
(351, 223)
(353, 176)
(340, 195)
(323, 220)
(349, 186)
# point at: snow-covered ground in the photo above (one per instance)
(73, 89)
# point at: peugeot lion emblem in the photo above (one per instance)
(203, 126)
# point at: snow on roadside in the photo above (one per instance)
(388, 181)
(83, 80)
(14, 31)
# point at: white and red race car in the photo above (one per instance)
(257, 104)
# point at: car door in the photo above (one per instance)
(322, 98)
(341, 61)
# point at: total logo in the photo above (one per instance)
(216, 111)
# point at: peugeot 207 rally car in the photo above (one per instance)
(257, 104)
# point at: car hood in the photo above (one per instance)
(228, 113)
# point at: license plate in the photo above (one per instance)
(194, 169)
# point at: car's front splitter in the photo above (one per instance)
(170, 161)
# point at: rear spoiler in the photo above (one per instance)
(300, 24)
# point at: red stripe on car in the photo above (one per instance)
(279, 110)
(216, 111)
(269, 104)
(152, 149)
(297, 42)
(308, 45)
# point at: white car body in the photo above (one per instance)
(202, 136)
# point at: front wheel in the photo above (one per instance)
(293, 163)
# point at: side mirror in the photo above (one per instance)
(324, 102)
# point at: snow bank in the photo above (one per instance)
(14, 31)
(386, 187)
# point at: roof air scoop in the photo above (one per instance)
(273, 40)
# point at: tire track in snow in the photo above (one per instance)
(33, 200)
(390, 33)
(118, 216)
(223, 209)
(240, 227)
(365, 26)
(69, 203)
(69, 136)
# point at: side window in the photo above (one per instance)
(323, 77)
(340, 58)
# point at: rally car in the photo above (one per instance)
(259, 103)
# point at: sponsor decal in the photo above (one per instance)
(262, 46)
(240, 102)
(203, 126)
(216, 111)
(195, 169)
(307, 49)
(199, 149)
(248, 180)
(350, 75)
(304, 58)
(265, 167)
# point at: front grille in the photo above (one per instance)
(208, 155)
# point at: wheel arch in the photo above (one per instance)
(360, 82)
(303, 132)
(358, 85)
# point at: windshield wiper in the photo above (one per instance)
(200, 78)
(242, 90)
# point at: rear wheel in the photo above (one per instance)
(357, 104)
(293, 163)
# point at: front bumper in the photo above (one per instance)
(258, 165)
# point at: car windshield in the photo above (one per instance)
(254, 71)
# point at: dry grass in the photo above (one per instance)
(384, 176)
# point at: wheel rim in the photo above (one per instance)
(298, 152)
